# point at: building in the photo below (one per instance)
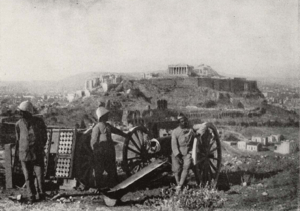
(71, 97)
(151, 75)
(111, 79)
(108, 86)
(205, 71)
(76, 95)
(272, 139)
(230, 143)
(287, 147)
(104, 81)
(275, 138)
(256, 139)
(181, 70)
(187, 70)
(269, 94)
(262, 140)
(242, 145)
(278, 137)
(254, 146)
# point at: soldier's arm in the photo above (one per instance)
(43, 131)
(17, 130)
(95, 136)
(116, 131)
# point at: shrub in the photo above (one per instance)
(230, 137)
(190, 198)
(240, 105)
(232, 123)
(210, 104)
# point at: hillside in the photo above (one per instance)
(139, 95)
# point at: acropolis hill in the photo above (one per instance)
(181, 75)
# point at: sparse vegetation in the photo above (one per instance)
(191, 198)
(209, 104)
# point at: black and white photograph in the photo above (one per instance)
(169, 105)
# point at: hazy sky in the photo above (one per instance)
(49, 40)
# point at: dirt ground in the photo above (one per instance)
(248, 181)
(272, 183)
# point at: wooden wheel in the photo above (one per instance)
(208, 157)
(137, 151)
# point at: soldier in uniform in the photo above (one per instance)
(182, 143)
(103, 149)
(31, 136)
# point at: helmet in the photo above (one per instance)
(101, 111)
(26, 106)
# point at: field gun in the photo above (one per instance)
(69, 155)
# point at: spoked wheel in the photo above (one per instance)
(137, 152)
(208, 157)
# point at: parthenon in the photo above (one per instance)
(180, 69)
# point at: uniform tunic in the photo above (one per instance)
(31, 138)
(182, 144)
(182, 141)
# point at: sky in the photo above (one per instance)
(53, 39)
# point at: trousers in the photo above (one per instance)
(32, 170)
(105, 160)
(181, 167)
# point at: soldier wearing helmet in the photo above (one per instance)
(31, 134)
(103, 149)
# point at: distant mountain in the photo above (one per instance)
(65, 85)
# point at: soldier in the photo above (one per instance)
(103, 148)
(182, 144)
(31, 136)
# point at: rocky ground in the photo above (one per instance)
(252, 181)
(248, 181)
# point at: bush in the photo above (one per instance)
(210, 104)
(231, 123)
(205, 197)
(190, 198)
(193, 198)
(240, 105)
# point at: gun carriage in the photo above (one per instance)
(69, 155)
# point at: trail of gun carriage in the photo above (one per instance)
(246, 157)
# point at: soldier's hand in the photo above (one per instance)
(179, 159)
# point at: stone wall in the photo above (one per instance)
(219, 84)
(188, 82)
(170, 82)
(206, 82)
(213, 113)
